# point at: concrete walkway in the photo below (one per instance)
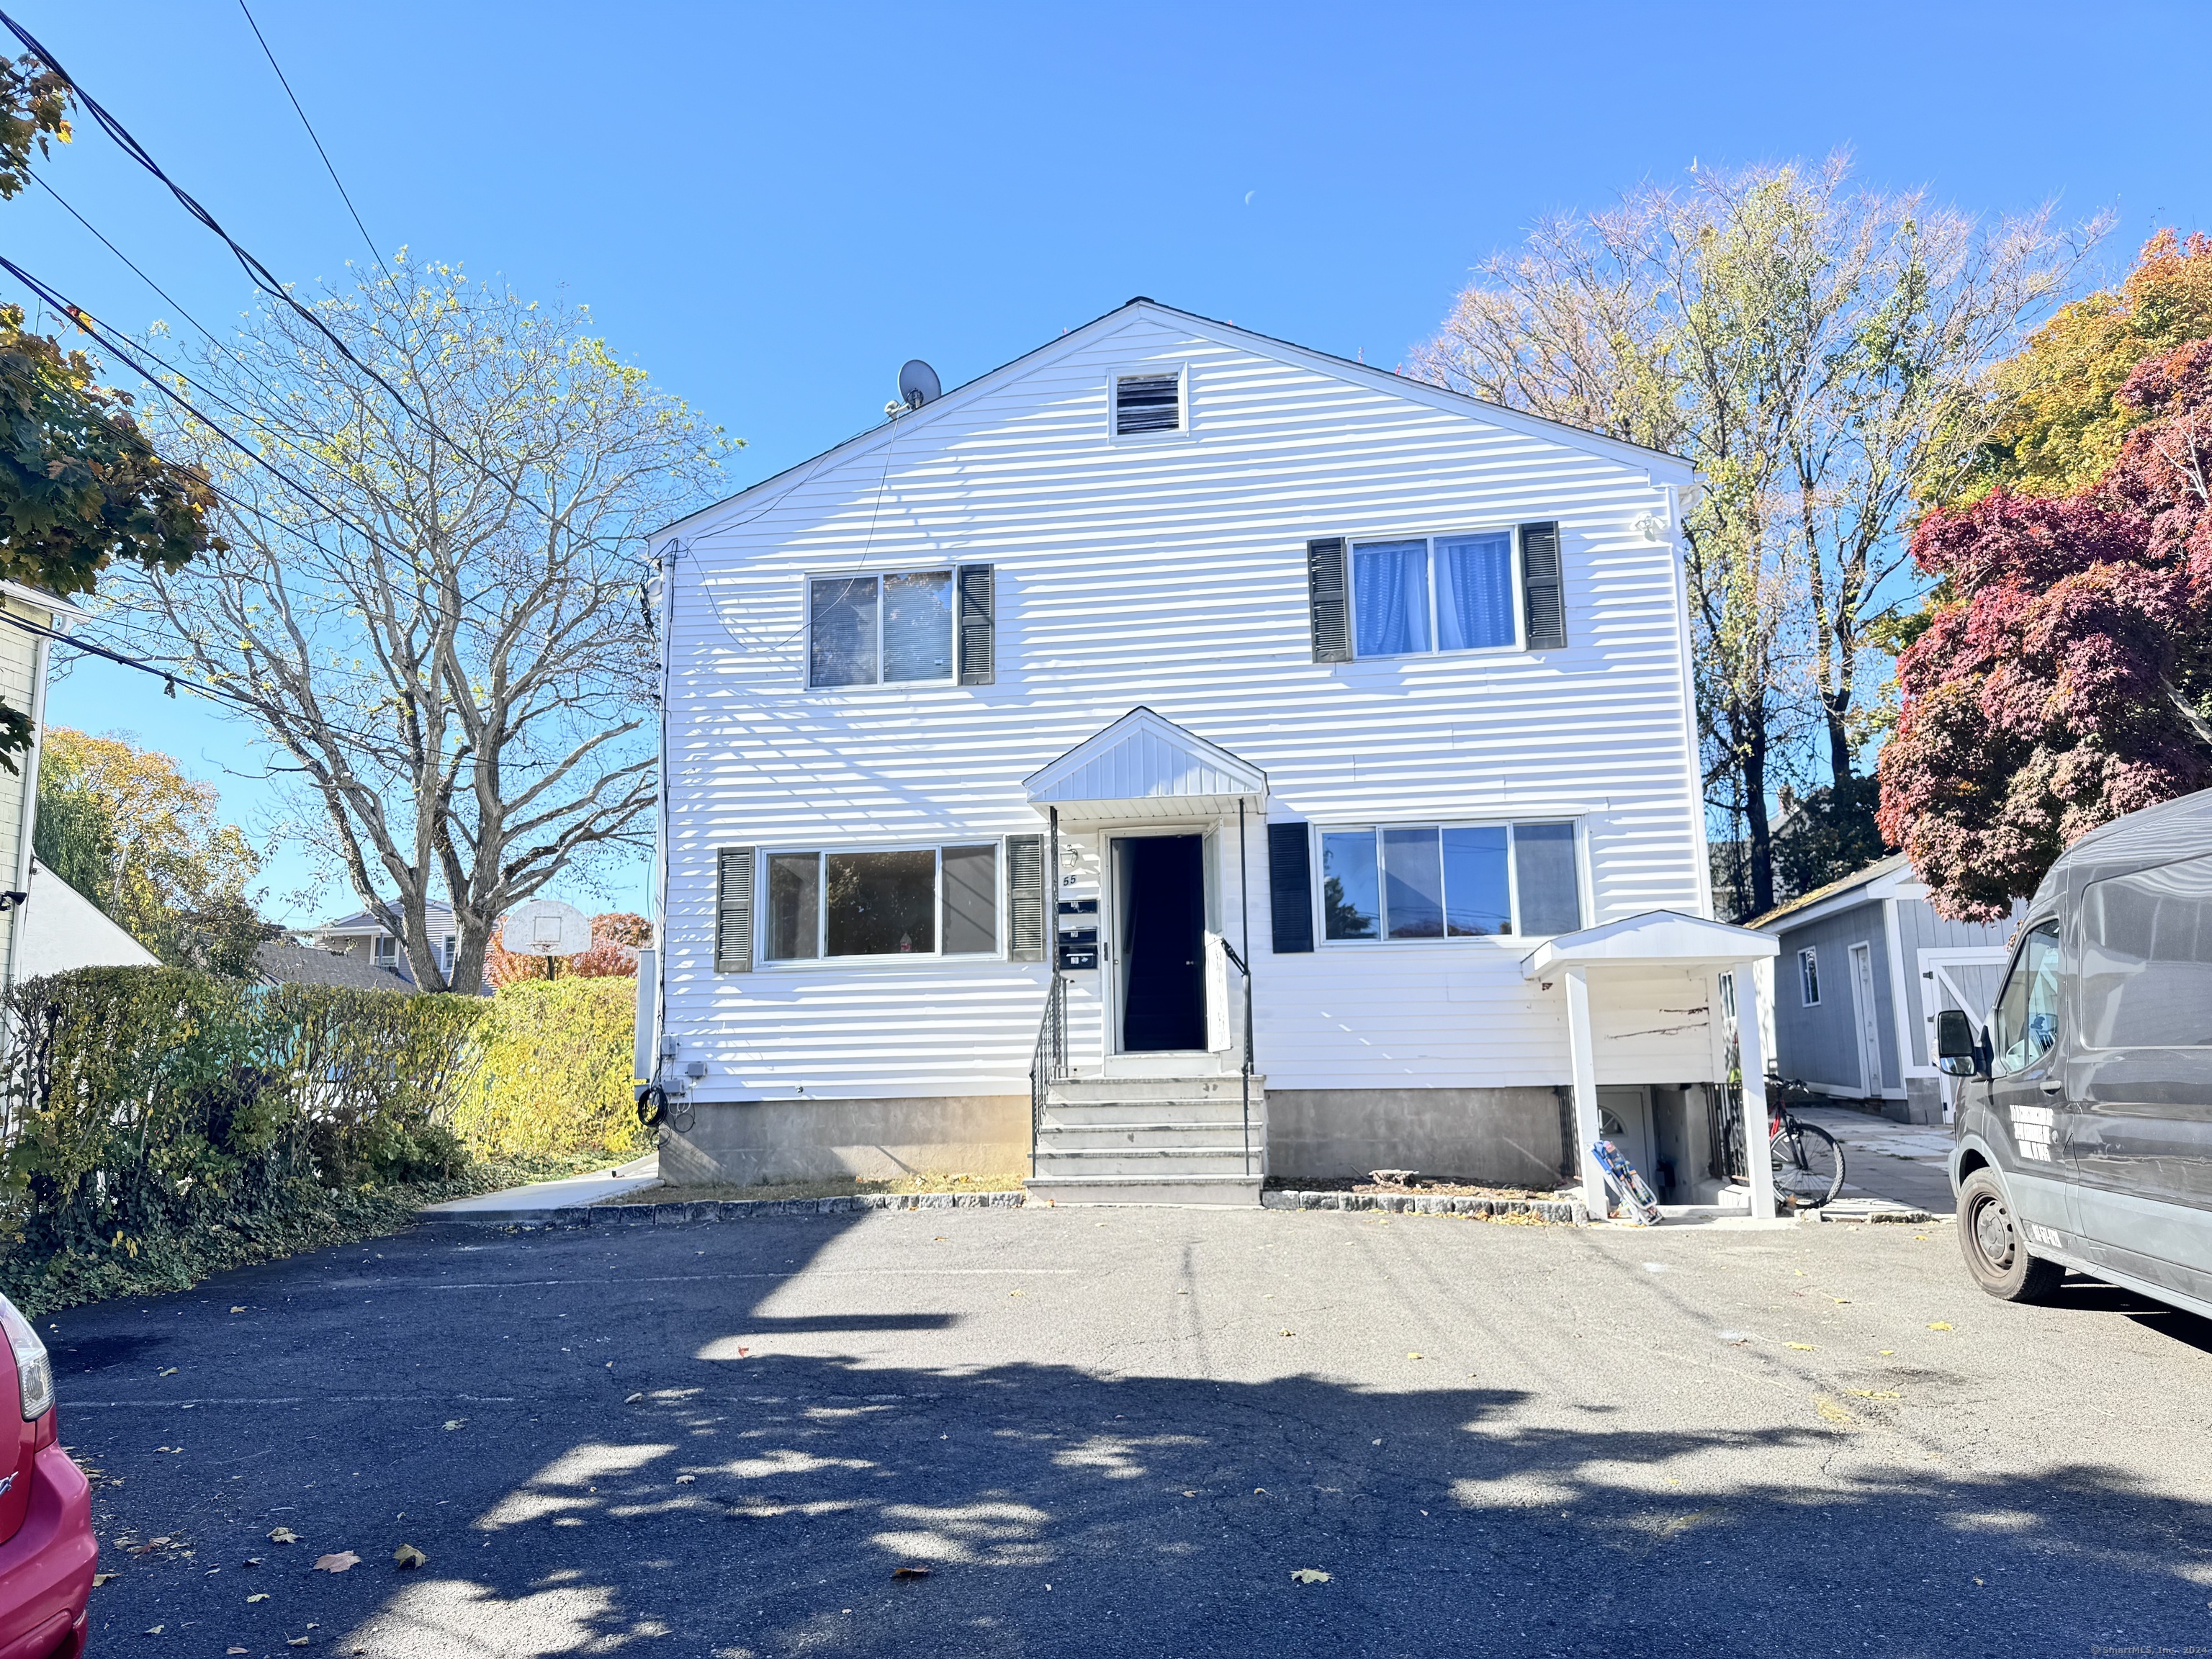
(543, 1201)
(1901, 1162)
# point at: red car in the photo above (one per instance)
(47, 1545)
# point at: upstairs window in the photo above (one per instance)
(1448, 881)
(1435, 594)
(893, 630)
(1147, 402)
(385, 950)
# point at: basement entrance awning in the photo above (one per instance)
(1616, 951)
(1142, 768)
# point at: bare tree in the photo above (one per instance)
(431, 595)
(1819, 354)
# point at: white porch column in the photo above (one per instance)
(1583, 1058)
(1752, 1056)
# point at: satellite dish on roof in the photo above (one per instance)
(545, 927)
(918, 384)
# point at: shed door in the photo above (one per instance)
(1958, 977)
(1867, 1021)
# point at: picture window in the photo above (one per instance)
(892, 629)
(935, 901)
(1448, 881)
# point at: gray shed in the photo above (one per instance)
(1865, 965)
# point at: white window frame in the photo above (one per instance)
(1181, 432)
(1353, 543)
(383, 949)
(879, 683)
(764, 963)
(1808, 977)
(1517, 939)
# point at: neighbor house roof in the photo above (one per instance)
(381, 921)
(1676, 466)
(1895, 864)
(285, 961)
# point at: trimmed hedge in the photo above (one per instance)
(554, 1077)
(145, 1106)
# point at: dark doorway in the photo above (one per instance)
(1162, 944)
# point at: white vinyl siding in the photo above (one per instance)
(1130, 572)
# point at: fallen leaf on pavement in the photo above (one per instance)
(407, 1556)
(153, 1630)
(1413, 1355)
(633, 1399)
(297, 1642)
(337, 1562)
(258, 1595)
(1806, 1347)
(1017, 1293)
(284, 1535)
(252, 1561)
(170, 1371)
(909, 1572)
(1875, 1394)
(1290, 1332)
(234, 1650)
(1940, 1325)
(685, 1480)
(1833, 1412)
(100, 1578)
(1190, 1494)
(453, 1423)
(238, 1310)
(1308, 1576)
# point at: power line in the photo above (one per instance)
(313, 138)
(259, 274)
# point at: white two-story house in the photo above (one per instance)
(1178, 757)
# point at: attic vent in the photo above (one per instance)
(1147, 402)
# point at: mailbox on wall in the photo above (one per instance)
(1079, 936)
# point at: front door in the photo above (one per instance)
(1159, 944)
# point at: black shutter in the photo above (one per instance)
(733, 910)
(1025, 898)
(1290, 886)
(979, 625)
(1326, 594)
(1543, 588)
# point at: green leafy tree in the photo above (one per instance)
(80, 485)
(145, 843)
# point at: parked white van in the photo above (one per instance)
(2085, 1126)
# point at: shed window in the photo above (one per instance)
(1412, 597)
(933, 901)
(1808, 978)
(892, 630)
(1448, 881)
(1147, 402)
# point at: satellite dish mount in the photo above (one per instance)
(918, 384)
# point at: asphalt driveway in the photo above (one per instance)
(1123, 1431)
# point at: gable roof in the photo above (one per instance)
(286, 961)
(1676, 467)
(1654, 939)
(1143, 758)
(1895, 864)
(383, 918)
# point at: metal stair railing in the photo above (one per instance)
(1238, 962)
(1048, 1061)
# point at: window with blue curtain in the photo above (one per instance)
(1474, 591)
(1390, 597)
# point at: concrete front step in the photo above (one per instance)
(1106, 1137)
(1177, 1160)
(1123, 1090)
(1194, 1191)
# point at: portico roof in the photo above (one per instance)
(1657, 939)
(1144, 765)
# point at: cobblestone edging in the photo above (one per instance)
(739, 1209)
(1566, 1213)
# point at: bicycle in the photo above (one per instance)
(1808, 1161)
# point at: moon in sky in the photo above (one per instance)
(1248, 195)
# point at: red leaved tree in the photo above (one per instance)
(615, 937)
(2069, 681)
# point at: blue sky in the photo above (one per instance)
(771, 207)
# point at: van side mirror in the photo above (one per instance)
(1958, 1050)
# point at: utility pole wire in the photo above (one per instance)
(312, 137)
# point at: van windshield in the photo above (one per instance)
(2024, 1024)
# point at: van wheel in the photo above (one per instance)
(1996, 1254)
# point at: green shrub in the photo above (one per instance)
(554, 1059)
(142, 1106)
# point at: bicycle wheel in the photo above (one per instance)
(1808, 1165)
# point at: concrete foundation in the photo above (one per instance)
(1507, 1136)
(745, 1143)
(1923, 1101)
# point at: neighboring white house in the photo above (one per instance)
(1864, 966)
(371, 937)
(1165, 648)
(29, 619)
(62, 930)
